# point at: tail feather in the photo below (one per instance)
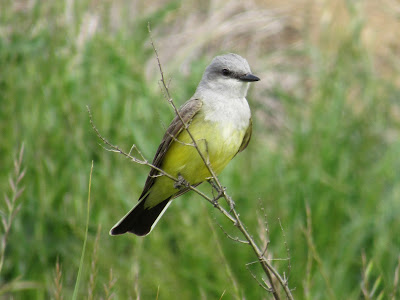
(140, 220)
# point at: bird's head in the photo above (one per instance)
(228, 75)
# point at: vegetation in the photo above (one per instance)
(324, 175)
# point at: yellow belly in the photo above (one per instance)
(218, 144)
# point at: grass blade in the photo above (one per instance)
(78, 278)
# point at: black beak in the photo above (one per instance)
(248, 78)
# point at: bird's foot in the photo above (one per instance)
(181, 183)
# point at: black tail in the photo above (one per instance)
(140, 220)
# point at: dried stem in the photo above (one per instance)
(396, 280)
(58, 281)
(12, 208)
(262, 284)
(108, 288)
(289, 267)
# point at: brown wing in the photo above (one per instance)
(187, 112)
(247, 137)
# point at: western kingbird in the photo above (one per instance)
(219, 119)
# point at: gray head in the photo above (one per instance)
(227, 75)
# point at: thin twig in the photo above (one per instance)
(235, 239)
(263, 225)
(263, 284)
(287, 251)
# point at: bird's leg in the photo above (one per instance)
(181, 183)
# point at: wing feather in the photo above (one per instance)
(247, 137)
(187, 112)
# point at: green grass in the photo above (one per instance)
(338, 154)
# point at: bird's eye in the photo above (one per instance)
(226, 72)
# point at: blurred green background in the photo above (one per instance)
(326, 137)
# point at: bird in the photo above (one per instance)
(219, 119)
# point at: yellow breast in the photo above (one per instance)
(218, 143)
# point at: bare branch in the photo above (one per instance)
(263, 227)
(287, 249)
(180, 142)
(235, 239)
(262, 284)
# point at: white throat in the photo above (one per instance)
(224, 100)
(224, 109)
